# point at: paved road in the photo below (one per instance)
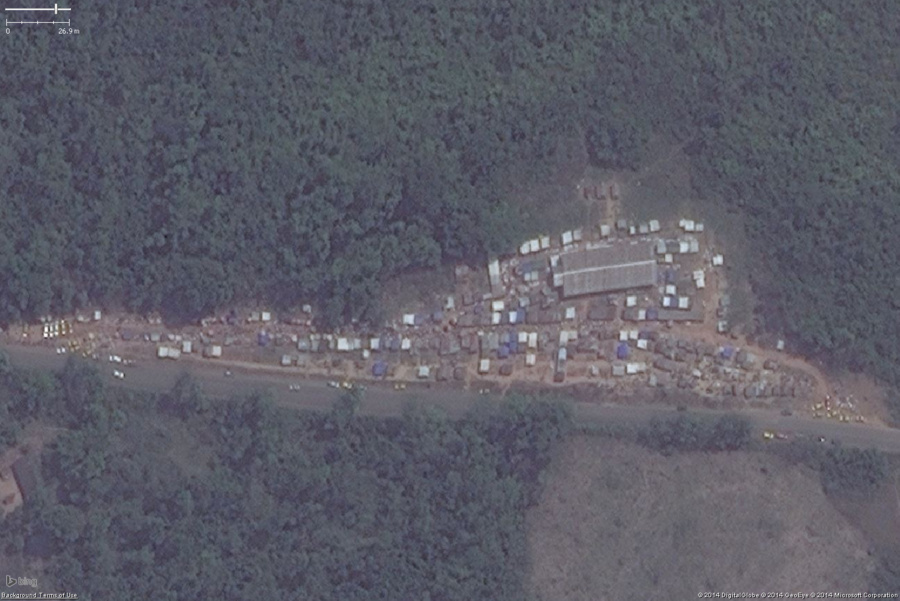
(384, 400)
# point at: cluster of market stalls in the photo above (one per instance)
(614, 302)
(621, 302)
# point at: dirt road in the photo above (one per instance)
(158, 376)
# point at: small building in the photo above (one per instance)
(214, 351)
(494, 278)
(162, 352)
(530, 359)
(187, 346)
(506, 369)
(423, 372)
(379, 369)
(286, 361)
(484, 366)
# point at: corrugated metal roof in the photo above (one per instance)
(616, 267)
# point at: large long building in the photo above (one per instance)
(606, 269)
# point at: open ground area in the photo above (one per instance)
(617, 521)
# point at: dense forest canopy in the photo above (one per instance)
(273, 504)
(173, 160)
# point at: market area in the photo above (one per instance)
(620, 305)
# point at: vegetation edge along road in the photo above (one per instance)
(382, 400)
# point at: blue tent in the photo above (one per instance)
(379, 369)
(503, 351)
(727, 352)
(262, 339)
(622, 351)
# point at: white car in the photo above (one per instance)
(115, 359)
(118, 374)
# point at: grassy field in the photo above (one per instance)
(620, 522)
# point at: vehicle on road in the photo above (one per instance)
(227, 373)
(400, 386)
(294, 387)
(780, 436)
(821, 439)
(787, 412)
(333, 384)
(118, 374)
(115, 359)
(768, 435)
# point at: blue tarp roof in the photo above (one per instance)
(622, 350)
(727, 352)
(379, 368)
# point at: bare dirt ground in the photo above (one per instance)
(617, 521)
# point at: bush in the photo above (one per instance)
(852, 470)
(691, 433)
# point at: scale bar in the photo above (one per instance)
(55, 9)
(38, 22)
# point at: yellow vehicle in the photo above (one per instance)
(768, 435)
